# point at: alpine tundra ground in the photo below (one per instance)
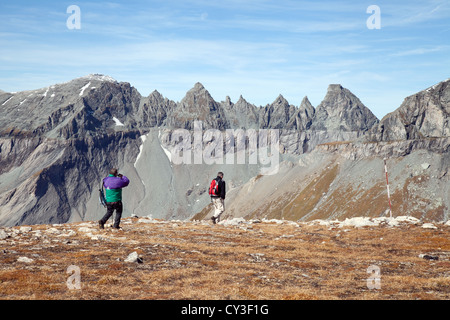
(239, 259)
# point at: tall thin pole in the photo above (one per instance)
(387, 186)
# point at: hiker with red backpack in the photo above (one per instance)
(217, 193)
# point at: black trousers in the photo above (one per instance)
(111, 206)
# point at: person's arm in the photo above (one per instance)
(124, 181)
(116, 182)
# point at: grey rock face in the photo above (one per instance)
(425, 114)
(277, 114)
(242, 114)
(73, 109)
(154, 110)
(341, 110)
(51, 180)
(56, 143)
(198, 105)
(302, 118)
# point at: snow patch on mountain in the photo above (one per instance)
(118, 122)
(6, 101)
(166, 151)
(99, 77)
(141, 147)
(84, 88)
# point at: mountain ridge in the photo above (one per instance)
(57, 142)
(88, 85)
(422, 115)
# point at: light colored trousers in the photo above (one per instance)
(219, 207)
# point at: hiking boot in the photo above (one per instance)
(101, 225)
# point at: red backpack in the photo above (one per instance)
(214, 188)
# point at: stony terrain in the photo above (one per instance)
(236, 259)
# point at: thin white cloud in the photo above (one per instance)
(301, 26)
(419, 51)
(413, 14)
(221, 54)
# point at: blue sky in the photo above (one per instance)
(257, 49)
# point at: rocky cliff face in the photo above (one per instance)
(153, 111)
(341, 110)
(302, 118)
(425, 114)
(198, 105)
(56, 143)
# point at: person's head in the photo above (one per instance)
(220, 174)
(114, 172)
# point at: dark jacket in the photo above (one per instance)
(221, 188)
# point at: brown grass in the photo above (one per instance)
(202, 214)
(345, 202)
(403, 200)
(197, 261)
(307, 199)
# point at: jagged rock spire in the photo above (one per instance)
(341, 110)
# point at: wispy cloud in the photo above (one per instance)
(414, 13)
(420, 51)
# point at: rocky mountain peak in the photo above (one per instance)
(197, 93)
(156, 95)
(280, 100)
(198, 104)
(437, 86)
(425, 114)
(228, 101)
(198, 87)
(337, 93)
(301, 118)
(306, 104)
(240, 115)
(277, 114)
(341, 110)
(99, 77)
(335, 88)
(242, 101)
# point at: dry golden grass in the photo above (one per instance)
(190, 260)
(311, 195)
